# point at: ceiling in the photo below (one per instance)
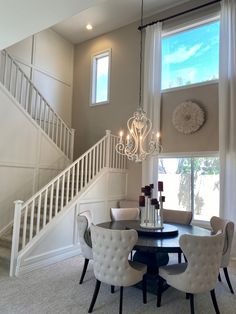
(108, 15)
(21, 19)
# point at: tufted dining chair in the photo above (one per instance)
(84, 222)
(178, 217)
(124, 214)
(111, 266)
(200, 273)
(228, 228)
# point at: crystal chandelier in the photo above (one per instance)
(140, 141)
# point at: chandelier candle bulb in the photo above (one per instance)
(121, 135)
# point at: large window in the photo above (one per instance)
(191, 183)
(191, 56)
(100, 77)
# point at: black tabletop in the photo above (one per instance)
(155, 243)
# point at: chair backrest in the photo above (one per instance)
(110, 254)
(177, 216)
(84, 222)
(127, 204)
(124, 214)
(203, 254)
(228, 228)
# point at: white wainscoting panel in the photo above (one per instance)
(60, 239)
(25, 151)
(18, 134)
(54, 55)
(50, 154)
(56, 92)
(16, 182)
(97, 191)
(22, 50)
(116, 184)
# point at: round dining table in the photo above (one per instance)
(157, 240)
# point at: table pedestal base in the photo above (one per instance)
(153, 262)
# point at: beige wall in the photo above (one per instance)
(206, 138)
(91, 122)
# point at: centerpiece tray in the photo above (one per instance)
(168, 230)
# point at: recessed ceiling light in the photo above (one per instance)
(89, 27)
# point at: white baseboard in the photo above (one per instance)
(47, 259)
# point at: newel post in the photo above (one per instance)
(108, 147)
(72, 144)
(15, 236)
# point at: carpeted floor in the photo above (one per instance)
(56, 290)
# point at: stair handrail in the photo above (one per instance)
(38, 211)
(63, 132)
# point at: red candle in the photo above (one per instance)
(141, 200)
(160, 186)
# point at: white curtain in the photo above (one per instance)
(227, 110)
(152, 92)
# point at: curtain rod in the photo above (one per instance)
(178, 14)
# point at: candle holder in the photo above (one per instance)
(149, 208)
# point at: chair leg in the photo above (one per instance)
(219, 277)
(121, 300)
(86, 261)
(228, 280)
(159, 291)
(131, 255)
(95, 294)
(213, 297)
(179, 257)
(191, 296)
(112, 289)
(144, 286)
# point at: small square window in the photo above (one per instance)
(100, 87)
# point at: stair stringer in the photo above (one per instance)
(59, 239)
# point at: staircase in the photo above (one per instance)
(32, 218)
(35, 105)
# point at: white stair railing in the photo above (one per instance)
(28, 96)
(32, 216)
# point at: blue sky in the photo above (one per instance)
(191, 56)
(102, 79)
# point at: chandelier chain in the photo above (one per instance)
(141, 58)
(140, 140)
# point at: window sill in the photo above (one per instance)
(168, 90)
(99, 103)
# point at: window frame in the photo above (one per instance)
(198, 222)
(187, 26)
(93, 79)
